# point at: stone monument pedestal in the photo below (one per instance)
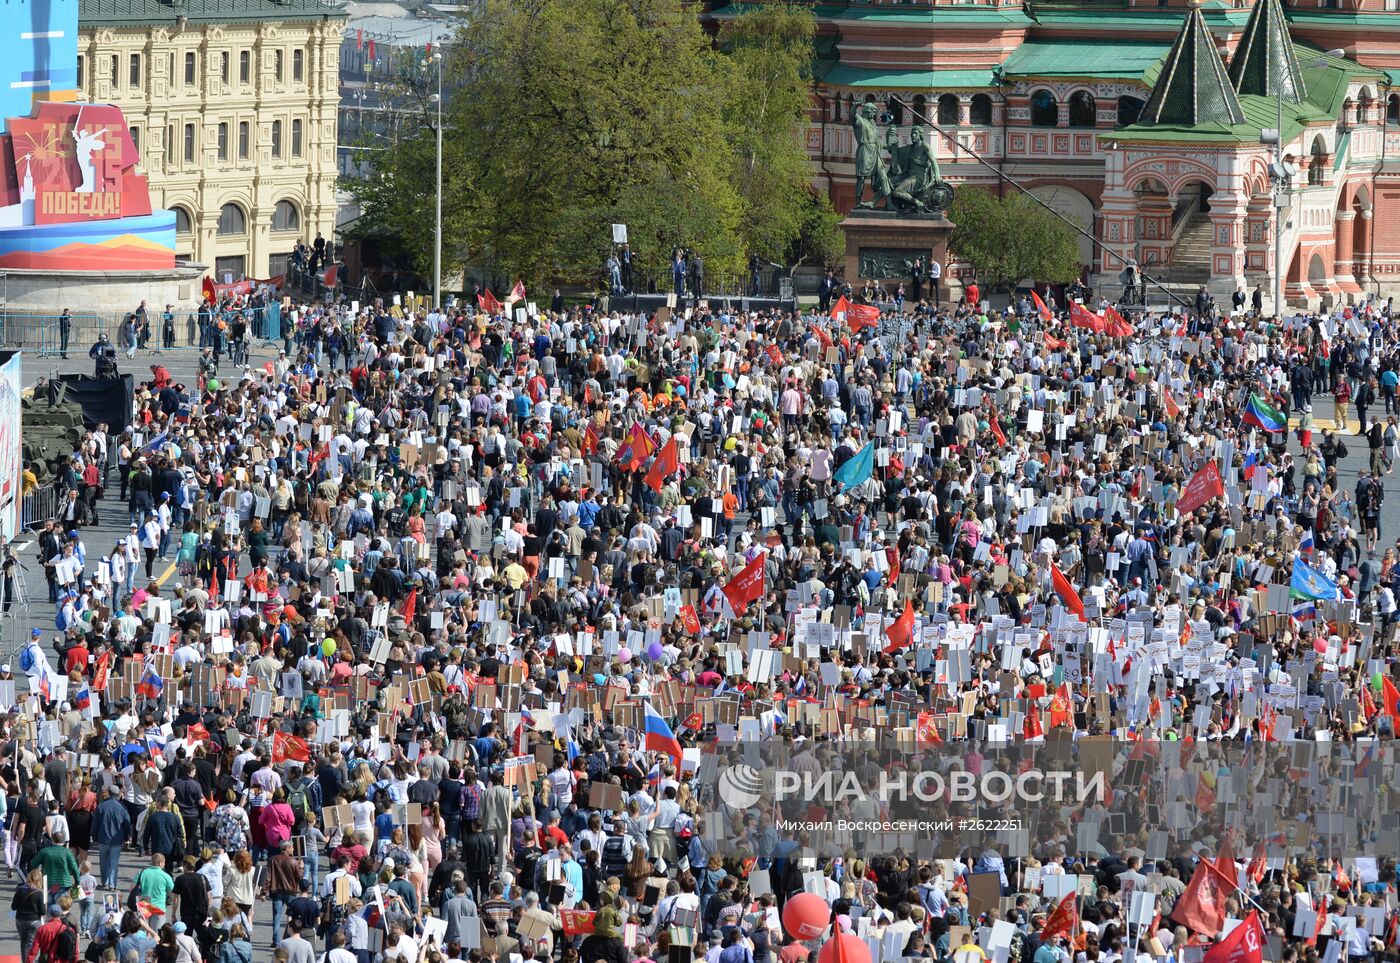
(880, 245)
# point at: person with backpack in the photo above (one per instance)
(57, 940)
(27, 907)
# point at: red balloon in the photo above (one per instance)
(805, 916)
(853, 949)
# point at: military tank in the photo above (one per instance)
(52, 432)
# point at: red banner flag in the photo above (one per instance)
(839, 309)
(487, 302)
(1391, 696)
(1203, 486)
(1064, 921)
(690, 619)
(577, 922)
(1202, 906)
(517, 293)
(1061, 707)
(1042, 308)
(1066, 592)
(997, 433)
(823, 338)
(636, 450)
(410, 608)
(862, 316)
(291, 747)
(927, 731)
(1245, 944)
(901, 631)
(664, 466)
(748, 585)
(197, 733)
(102, 671)
(1169, 403)
(1116, 324)
(1082, 317)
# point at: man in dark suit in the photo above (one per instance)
(825, 290)
(625, 256)
(697, 275)
(916, 279)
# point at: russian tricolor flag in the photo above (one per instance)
(659, 737)
(151, 683)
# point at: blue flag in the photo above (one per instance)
(1309, 583)
(858, 469)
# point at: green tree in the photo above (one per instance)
(566, 116)
(768, 53)
(1012, 239)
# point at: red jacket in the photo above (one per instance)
(46, 938)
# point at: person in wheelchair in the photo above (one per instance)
(105, 354)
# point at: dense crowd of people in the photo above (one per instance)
(463, 599)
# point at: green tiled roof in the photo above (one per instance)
(1111, 59)
(1153, 20)
(131, 13)
(843, 76)
(971, 14)
(1263, 62)
(1344, 18)
(1192, 87)
(1326, 85)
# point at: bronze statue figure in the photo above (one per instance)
(909, 180)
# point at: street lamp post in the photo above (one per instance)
(437, 213)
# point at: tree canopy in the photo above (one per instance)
(1012, 239)
(567, 116)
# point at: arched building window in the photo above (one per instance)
(981, 110)
(1082, 111)
(1129, 109)
(948, 110)
(232, 221)
(1045, 110)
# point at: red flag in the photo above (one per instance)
(1064, 921)
(359, 40)
(775, 354)
(862, 316)
(1082, 317)
(664, 466)
(291, 747)
(1202, 906)
(1062, 707)
(1066, 592)
(517, 293)
(197, 733)
(748, 585)
(1224, 865)
(638, 448)
(487, 302)
(331, 276)
(410, 607)
(839, 309)
(1245, 944)
(1169, 403)
(927, 731)
(371, 50)
(1041, 307)
(1116, 324)
(823, 338)
(690, 619)
(577, 922)
(211, 294)
(213, 583)
(102, 671)
(1258, 864)
(997, 433)
(1203, 486)
(428, 48)
(1055, 344)
(1368, 704)
(901, 630)
(590, 438)
(1032, 728)
(1390, 695)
